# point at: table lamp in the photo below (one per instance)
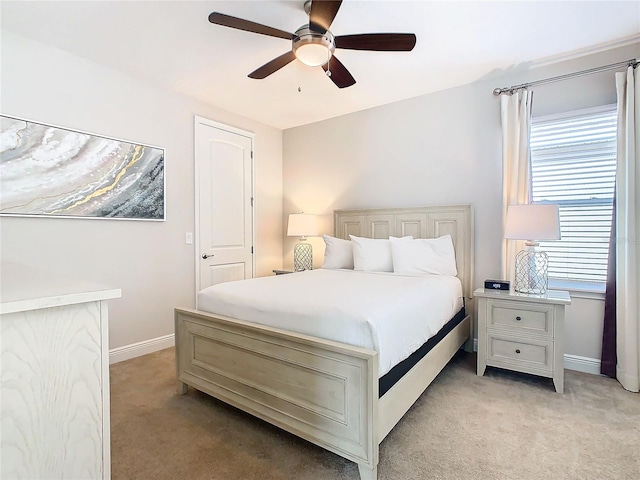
(533, 223)
(302, 225)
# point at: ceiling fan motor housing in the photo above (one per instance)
(313, 48)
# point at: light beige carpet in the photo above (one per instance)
(500, 426)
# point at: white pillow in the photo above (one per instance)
(338, 253)
(373, 254)
(424, 256)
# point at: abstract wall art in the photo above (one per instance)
(56, 172)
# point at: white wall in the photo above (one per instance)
(441, 148)
(149, 261)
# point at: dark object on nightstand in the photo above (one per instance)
(497, 284)
(282, 272)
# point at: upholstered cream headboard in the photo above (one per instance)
(421, 222)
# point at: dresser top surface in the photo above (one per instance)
(560, 297)
(24, 288)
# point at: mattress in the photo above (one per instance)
(390, 313)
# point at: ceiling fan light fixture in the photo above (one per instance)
(312, 48)
(313, 54)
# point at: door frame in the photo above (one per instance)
(196, 171)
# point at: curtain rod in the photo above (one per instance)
(628, 63)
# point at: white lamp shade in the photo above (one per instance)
(532, 222)
(302, 225)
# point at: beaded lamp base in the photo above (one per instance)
(531, 272)
(302, 257)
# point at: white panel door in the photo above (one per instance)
(224, 198)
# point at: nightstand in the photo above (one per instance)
(282, 272)
(523, 333)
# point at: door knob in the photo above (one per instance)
(205, 256)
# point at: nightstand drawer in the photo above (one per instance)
(523, 353)
(522, 317)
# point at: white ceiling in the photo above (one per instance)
(171, 43)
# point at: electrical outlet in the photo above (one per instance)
(188, 238)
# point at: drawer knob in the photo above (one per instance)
(517, 350)
(518, 318)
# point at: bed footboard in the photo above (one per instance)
(322, 391)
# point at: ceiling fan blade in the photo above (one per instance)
(246, 25)
(339, 73)
(322, 14)
(273, 66)
(380, 42)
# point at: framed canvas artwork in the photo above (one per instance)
(49, 171)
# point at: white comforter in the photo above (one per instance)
(390, 313)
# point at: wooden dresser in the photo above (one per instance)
(54, 376)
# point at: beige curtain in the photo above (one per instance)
(516, 166)
(628, 230)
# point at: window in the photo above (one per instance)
(573, 162)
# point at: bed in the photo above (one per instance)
(325, 391)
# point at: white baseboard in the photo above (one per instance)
(571, 362)
(582, 364)
(127, 352)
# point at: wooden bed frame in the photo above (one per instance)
(319, 390)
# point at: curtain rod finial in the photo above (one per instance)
(497, 91)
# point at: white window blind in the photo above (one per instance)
(573, 161)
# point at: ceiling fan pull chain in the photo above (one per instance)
(328, 63)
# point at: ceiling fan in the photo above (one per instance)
(314, 45)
